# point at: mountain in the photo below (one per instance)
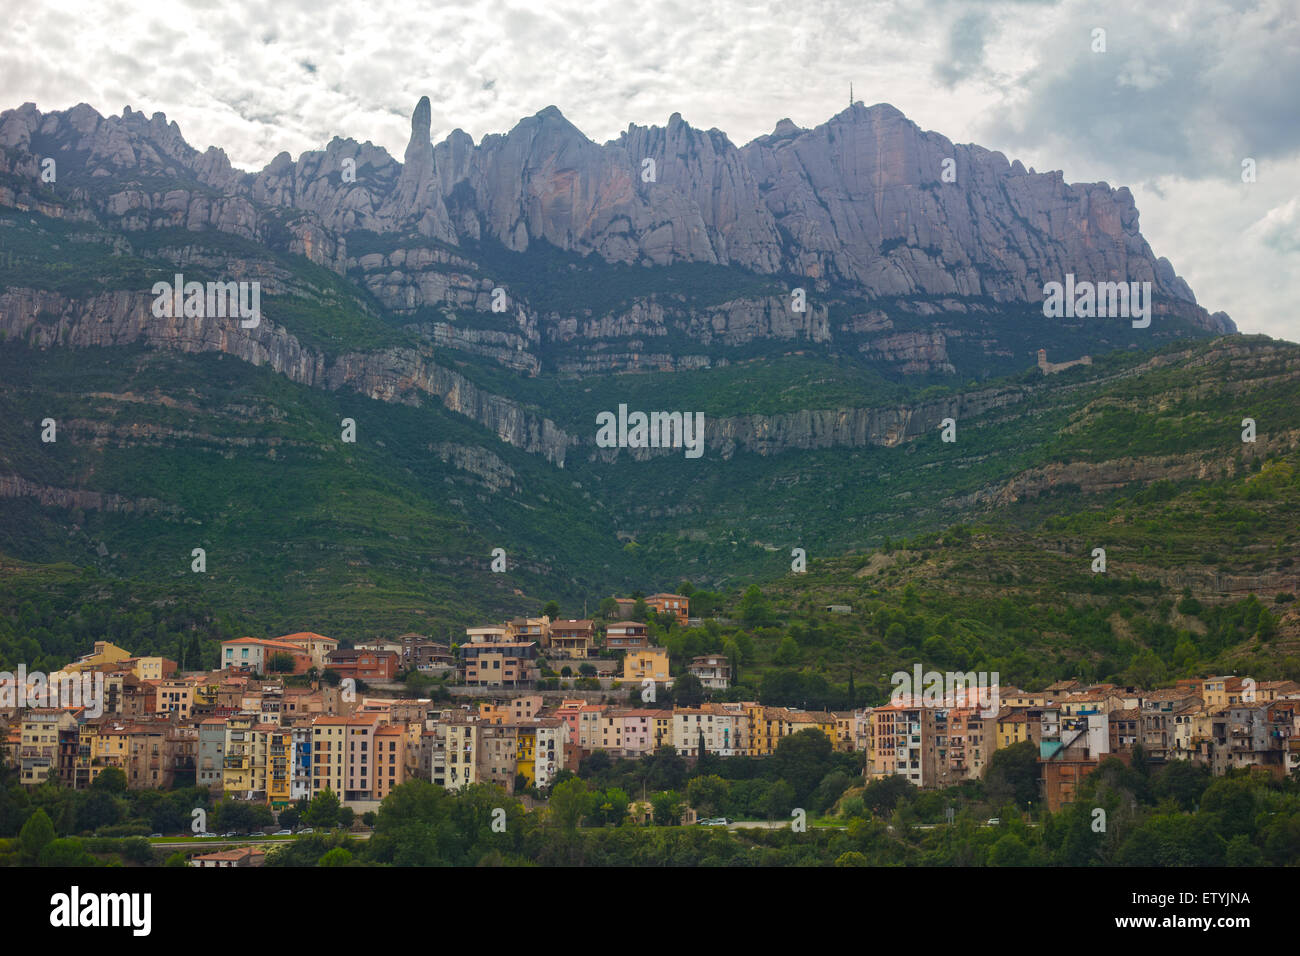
(476, 425)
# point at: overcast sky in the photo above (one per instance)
(1184, 92)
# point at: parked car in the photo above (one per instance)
(305, 830)
(284, 833)
(155, 836)
(994, 822)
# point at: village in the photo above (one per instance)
(282, 720)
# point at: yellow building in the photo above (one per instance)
(650, 663)
(175, 697)
(767, 725)
(526, 753)
(813, 720)
(1013, 728)
(461, 756)
(237, 769)
(105, 652)
(149, 668)
(663, 732)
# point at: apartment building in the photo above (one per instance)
(628, 636)
(677, 606)
(364, 665)
(647, 664)
(257, 655)
(44, 744)
(500, 664)
(573, 639)
(713, 671)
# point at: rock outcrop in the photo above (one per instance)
(44, 319)
(867, 200)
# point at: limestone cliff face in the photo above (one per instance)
(736, 322)
(72, 499)
(912, 351)
(835, 427)
(45, 319)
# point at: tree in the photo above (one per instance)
(787, 654)
(323, 812)
(667, 808)
(1241, 852)
(568, 804)
(708, 795)
(407, 832)
(754, 610)
(640, 610)
(829, 790)
(1013, 773)
(608, 609)
(138, 851)
(336, 857)
(280, 663)
(614, 807)
(731, 650)
(233, 815)
(36, 834)
(883, 795)
(110, 780)
(802, 760)
(780, 800)
(598, 762)
(1182, 780)
(1010, 850)
(665, 769)
(1232, 800)
(551, 610)
(64, 853)
(99, 808)
(688, 691)
(289, 817)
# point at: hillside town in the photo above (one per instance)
(282, 720)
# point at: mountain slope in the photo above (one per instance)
(381, 285)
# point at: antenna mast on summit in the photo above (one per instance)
(850, 94)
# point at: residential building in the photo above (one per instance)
(713, 671)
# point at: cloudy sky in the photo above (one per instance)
(1184, 92)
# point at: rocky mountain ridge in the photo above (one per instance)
(867, 201)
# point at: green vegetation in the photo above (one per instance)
(1175, 816)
